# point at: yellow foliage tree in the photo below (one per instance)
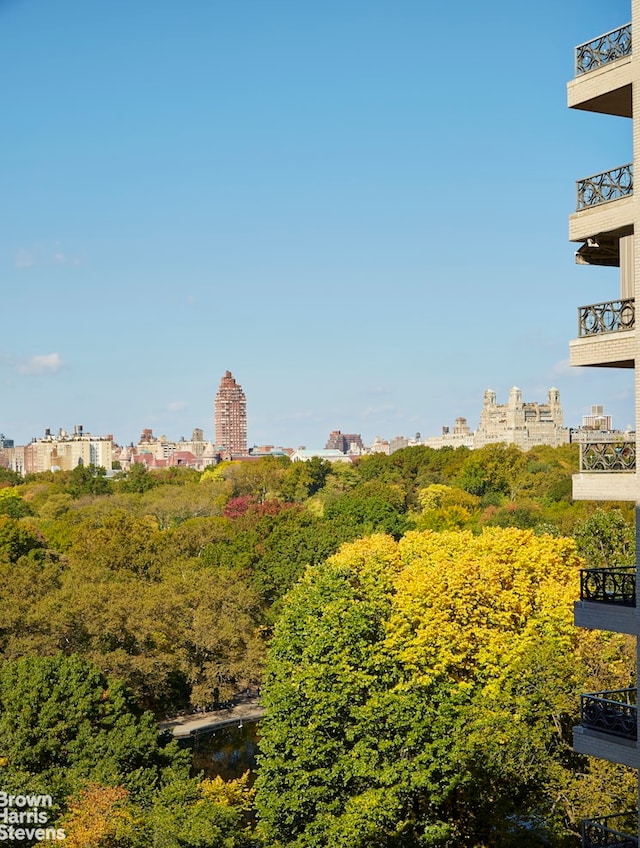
(230, 793)
(99, 818)
(446, 508)
(453, 726)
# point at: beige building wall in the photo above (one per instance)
(64, 453)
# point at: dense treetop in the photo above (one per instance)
(416, 612)
(421, 692)
(173, 580)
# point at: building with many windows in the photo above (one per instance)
(63, 452)
(345, 442)
(607, 81)
(522, 423)
(231, 418)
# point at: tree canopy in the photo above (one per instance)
(420, 693)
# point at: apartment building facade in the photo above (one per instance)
(231, 418)
(64, 451)
(607, 82)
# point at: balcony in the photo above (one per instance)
(609, 585)
(608, 453)
(611, 831)
(608, 600)
(604, 205)
(612, 316)
(604, 187)
(614, 712)
(603, 74)
(606, 335)
(603, 50)
(607, 468)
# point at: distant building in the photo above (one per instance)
(460, 436)
(159, 452)
(64, 452)
(231, 418)
(345, 442)
(329, 454)
(258, 451)
(4, 442)
(400, 442)
(522, 424)
(597, 420)
(514, 423)
(380, 446)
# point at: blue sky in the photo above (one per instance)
(359, 207)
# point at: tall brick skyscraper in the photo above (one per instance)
(231, 418)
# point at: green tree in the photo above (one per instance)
(17, 539)
(9, 477)
(138, 479)
(13, 505)
(326, 665)
(492, 469)
(422, 694)
(88, 480)
(304, 479)
(63, 723)
(369, 508)
(605, 539)
(119, 542)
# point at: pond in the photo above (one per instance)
(228, 751)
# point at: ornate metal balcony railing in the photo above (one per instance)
(608, 455)
(609, 585)
(613, 712)
(603, 49)
(604, 187)
(612, 316)
(611, 831)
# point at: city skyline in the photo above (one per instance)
(234, 397)
(370, 242)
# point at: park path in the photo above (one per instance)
(248, 709)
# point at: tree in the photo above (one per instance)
(198, 814)
(445, 508)
(605, 539)
(17, 539)
(88, 480)
(326, 662)
(421, 693)
(9, 477)
(12, 504)
(304, 479)
(63, 724)
(492, 469)
(120, 542)
(369, 509)
(100, 817)
(137, 480)
(184, 813)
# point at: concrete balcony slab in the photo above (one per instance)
(609, 617)
(602, 218)
(606, 90)
(614, 749)
(605, 486)
(610, 350)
